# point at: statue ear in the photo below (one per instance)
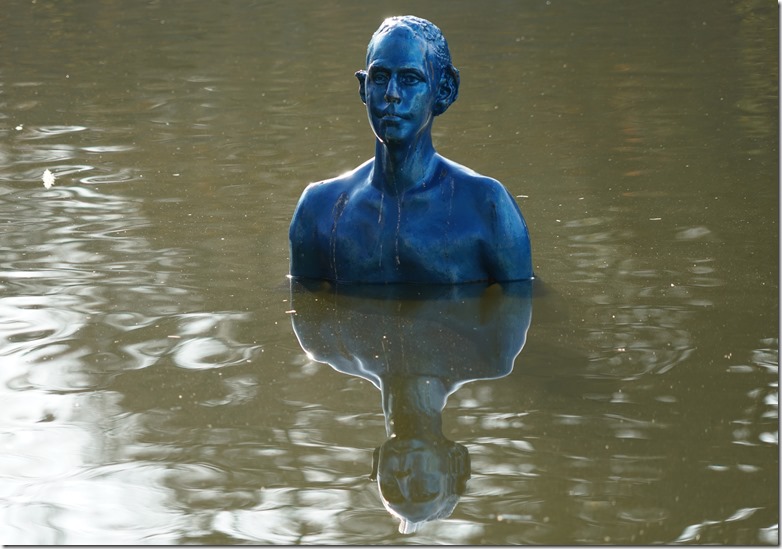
(447, 90)
(362, 85)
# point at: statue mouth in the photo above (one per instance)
(391, 115)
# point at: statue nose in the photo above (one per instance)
(392, 91)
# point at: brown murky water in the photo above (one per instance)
(153, 388)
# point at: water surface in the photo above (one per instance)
(153, 388)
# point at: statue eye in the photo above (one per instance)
(410, 79)
(379, 77)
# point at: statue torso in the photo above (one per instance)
(429, 233)
(451, 228)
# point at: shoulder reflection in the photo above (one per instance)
(418, 345)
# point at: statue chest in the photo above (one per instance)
(413, 240)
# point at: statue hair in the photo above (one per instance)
(431, 33)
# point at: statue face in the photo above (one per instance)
(400, 87)
(412, 477)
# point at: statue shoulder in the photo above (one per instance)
(479, 185)
(506, 250)
(327, 192)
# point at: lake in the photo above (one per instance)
(160, 381)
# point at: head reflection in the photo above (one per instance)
(420, 480)
(418, 345)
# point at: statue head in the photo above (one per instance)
(420, 480)
(417, 33)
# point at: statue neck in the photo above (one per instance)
(401, 167)
(413, 406)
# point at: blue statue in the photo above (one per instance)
(417, 344)
(408, 215)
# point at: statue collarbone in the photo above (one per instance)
(447, 228)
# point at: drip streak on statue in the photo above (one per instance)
(408, 214)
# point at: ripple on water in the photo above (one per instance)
(117, 175)
(50, 155)
(34, 133)
(26, 320)
(286, 516)
(73, 258)
(746, 528)
(102, 505)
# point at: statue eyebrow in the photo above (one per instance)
(381, 67)
(415, 70)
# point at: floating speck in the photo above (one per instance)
(19, 128)
(48, 178)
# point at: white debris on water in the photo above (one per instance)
(48, 178)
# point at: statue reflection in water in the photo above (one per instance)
(417, 344)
